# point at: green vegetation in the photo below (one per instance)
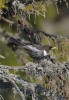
(2, 4)
(11, 58)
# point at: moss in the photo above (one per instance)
(44, 41)
(2, 5)
(5, 25)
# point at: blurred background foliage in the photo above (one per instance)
(10, 56)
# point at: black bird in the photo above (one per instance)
(38, 51)
(35, 51)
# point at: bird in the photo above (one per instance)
(38, 52)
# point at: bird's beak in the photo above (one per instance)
(53, 48)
